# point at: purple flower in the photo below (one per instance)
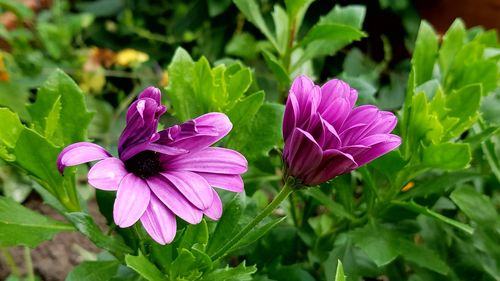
(326, 136)
(160, 175)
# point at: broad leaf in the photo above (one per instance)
(447, 156)
(425, 54)
(239, 273)
(475, 205)
(93, 271)
(22, 226)
(144, 267)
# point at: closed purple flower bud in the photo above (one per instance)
(326, 136)
(161, 175)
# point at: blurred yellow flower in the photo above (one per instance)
(130, 57)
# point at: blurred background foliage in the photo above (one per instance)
(426, 212)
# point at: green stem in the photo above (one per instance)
(9, 259)
(29, 264)
(282, 195)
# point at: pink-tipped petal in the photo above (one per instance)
(107, 174)
(132, 199)
(215, 210)
(174, 200)
(232, 183)
(159, 221)
(193, 186)
(199, 133)
(378, 148)
(210, 160)
(79, 153)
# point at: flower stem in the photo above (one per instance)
(29, 264)
(282, 195)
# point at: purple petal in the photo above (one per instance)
(380, 145)
(142, 122)
(197, 134)
(210, 160)
(159, 221)
(291, 116)
(308, 98)
(301, 87)
(232, 183)
(385, 122)
(193, 186)
(152, 93)
(107, 174)
(333, 163)
(174, 200)
(335, 89)
(336, 112)
(302, 154)
(132, 199)
(165, 149)
(215, 210)
(78, 153)
(361, 114)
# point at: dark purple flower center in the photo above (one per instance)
(144, 164)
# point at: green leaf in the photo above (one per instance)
(339, 275)
(447, 156)
(93, 271)
(60, 110)
(194, 234)
(226, 227)
(144, 267)
(296, 9)
(332, 32)
(86, 225)
(352, 15)
(183, 264)
(10, 127)
(258, 232)
(251, 10)
(260, 135)
(475, 205)
(425, 54)
(18, 8)
(381, 245)
(242, 45)
(334, 207)
(239, 273)
(422, 256)
(238, 84)
(425, 211)
(22, 226)
(464, 106)
(453, 41)
(180, 90)
(244, 111)
(281, 25)
(277, 68)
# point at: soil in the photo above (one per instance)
(53, 260)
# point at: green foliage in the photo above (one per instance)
(22, 226)
(93, 271)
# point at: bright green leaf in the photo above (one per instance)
(453, 41)
(239, 83)
(332, 32)
(144, 267)
(10, 127)
(239, 273)
(245, 110)
(447, 156)
(226, 227)
(381, 245)
(73, 116)
(22, 226)
(339, 275)
(194, 234)
(277, 68)
(425, 54)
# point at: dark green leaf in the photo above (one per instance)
(226, 227)
(422, 256)
(194, 234)
(277, 68)
(380, 244)
(475, 205)
(244, 111)
(251, 10)
(93, 271)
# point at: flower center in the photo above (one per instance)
(144, 164)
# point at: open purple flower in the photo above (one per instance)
(160, 175)
(326, 136)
